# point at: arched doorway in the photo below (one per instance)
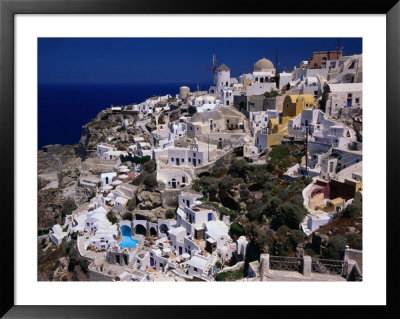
(164, 229)
(153, 231)
(140, 229)
(126, 231)
(173, 183)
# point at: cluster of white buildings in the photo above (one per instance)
(188, 133)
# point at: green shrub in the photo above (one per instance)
(149, 166)
(43, 231)
(111, 217)
(335, 248)
(225, 211)
(150, 180)
(68, 207)
(219, 170)
(170, 213)
(351, 211)
(131, 205)
(127, 216)
(354, 240)
(142, 160)
(239, 167)
(290, 215)
(236, 229)
(273, 93)
(230, 275)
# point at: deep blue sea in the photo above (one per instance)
(65, 108)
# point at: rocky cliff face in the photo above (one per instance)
(58, 167)
(105, 125)
(57, 180)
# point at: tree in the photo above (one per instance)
(150, 180)
(271, 94)
(290, 215)
(170, 213)
(149, 166)
(127, 216)
(351, 211)
(68, 207)
(239, 167)
(143, 159)
(131, 205)
(111, 217)
(335, 248)
(354, 240)
(236, 229)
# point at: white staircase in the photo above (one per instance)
(214, 257)
(131, 266)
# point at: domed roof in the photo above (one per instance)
(263, 65)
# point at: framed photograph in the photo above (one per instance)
(169, 154)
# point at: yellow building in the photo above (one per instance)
(333, 205)
(293, 105)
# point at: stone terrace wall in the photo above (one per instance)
(97, 276)
(170, 197)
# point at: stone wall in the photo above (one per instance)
(97, 276)
(236, 267)
(170, 197)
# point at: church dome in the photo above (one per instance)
(263, 65)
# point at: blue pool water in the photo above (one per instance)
(127, 240)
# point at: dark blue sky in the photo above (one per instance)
(169, 60)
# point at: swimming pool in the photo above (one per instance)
(127, 240)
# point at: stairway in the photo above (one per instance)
(214, 257)
(131, 266)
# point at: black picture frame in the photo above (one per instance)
(9, 8)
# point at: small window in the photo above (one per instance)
(172, 159)
(183, 160)
(199, 161)
(195, 269)
(194, 154)
(189, 159)
(357, 100)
